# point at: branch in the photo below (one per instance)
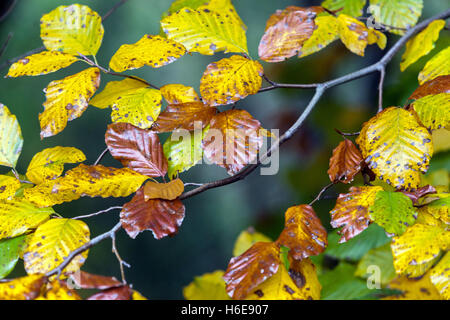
(320, 89)
(100, 157)
(98, 213)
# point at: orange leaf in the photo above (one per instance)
(435, 86)
(345, 162)
(166, 191)
(85, 280)
(303, 232)
(137, 149)
(162, 217)
(251, 268)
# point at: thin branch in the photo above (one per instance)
(100, 157)
(122, 263)
(347, 134)
(319, 196)
(99, 212)
(7, 12)
(380, 88)
(114, 8)
(5, 44)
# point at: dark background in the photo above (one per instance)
(160, 269)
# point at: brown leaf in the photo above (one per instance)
(251, 268)
(137, 149)
(233, 140)
(162, 217)
(166, 191)
(303, 232)
(345, 162)
(437, 85)
(419, 193)
(184, 116)
(93, 281)
(286, 31)
(120, 293)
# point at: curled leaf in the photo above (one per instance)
(345, 162)
(167, 191)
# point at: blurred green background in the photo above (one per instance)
(160, 269)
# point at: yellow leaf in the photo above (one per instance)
(58, 290)
(434, 111)
(140, 107)
(421, 44)
(179, 94)
(356, 36)
(153, 51)
(114, 90)
(52, 242)
(92, 181)
(67, 99)
(440, 276)
(137, 296)
(246, 239)
(205, 31)
(8, 186)
(437, 66)
(441, 140)
(396, 147)
(414, 289)
(326, 32)
(18, 215)
(350, 7)
(24, 288)
(167, 191)
(11, 140)
(49, 163)
(41, 63)
(230, 80)
(72, 29)
(209, 286)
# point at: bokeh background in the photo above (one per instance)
(160, 269)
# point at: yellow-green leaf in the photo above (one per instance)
(440, 276)
(8, 186)
(209, 286)
(18, 215)
(396, 147)
(11, 140)
(67, 99)
(24, 288)
(153, 51)
(230, 80)
(326, 32)
(413, 289)
(437, 66)
(350, 7)
(72, 29)
(179, 94)
(41, 63)
(52, 242)
(421, 44)
(380, 257)
(434, 111)
(92, 181)
(49, 163)
(10, 250)
(246, 239)
(115, 90)
(205, 31)
(401, 14)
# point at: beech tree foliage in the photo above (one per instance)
(397, 221)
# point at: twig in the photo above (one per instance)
(347, 134)
(319, 196)
(7, 12)
(100, 157)
(121, 262)
(5, 44)
(114, 8)
(193, 184)
(380, 88)
(98, 213)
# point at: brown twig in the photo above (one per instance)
(319, 195)
(98, 213)
(100, 157)
(122, 263)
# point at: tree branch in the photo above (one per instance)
(98, 213)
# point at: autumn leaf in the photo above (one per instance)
(92, 181)
(74, 29)
(247, 271)
(167, 191)
(303, 232)
(162, 217)
(11, 138)
(435, 86)
(381, 257)
(230, 79)
(10, 250)
(352, 8)
(24, 288)
(327, 31)
(115, 90)
(246, 239)
(393, 211)
(233, 140)
(8, 186)
(419, 193)
(123, 292)
(41, 63)
(67, 99)
(286, 31)
(352, 211)
(434, 111)
(137, 149)
(205, 31)
(179, 94)
(437, 66)
(414, 289)
(52, 242)
(345, 162)
(85, 280)
(421, 44)
(58, 290)
(440, 276)
(397, 14)
(396, 147)
(18, 215)
(187, 116)
(49, 163)
(153, 51)
(209, 286)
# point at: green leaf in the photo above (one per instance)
(353, 8)
(393, 211)
(380, 257)
(355, 248)
(10, 250)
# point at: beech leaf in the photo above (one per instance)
(345, 162)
